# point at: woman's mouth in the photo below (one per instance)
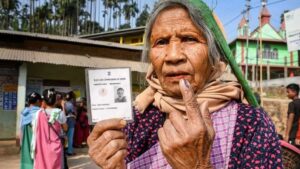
(176, 76)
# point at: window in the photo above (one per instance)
(135, 40)
(270, 54)
(275, 53)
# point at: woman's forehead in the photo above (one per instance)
(173, 19)
(172, 13)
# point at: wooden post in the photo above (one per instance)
(285, 68)
(253, 76)
(260, 58)
(268, 71)
(121, 40)
(298, 58)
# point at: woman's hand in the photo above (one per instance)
(107, 144)
(187, 143)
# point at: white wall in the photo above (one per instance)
(75, 75)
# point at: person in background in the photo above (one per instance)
(71, 121)
(59, 100)
(34, 103)
(82, 124)
(47, 126)
(293, 113)
(60, 104)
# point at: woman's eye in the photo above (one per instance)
(189, 39)
(162, 42)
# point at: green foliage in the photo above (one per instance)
(142, 19)
(8, 13)
(69, 17)
(125, 26)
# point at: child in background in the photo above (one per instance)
(34, 102)
(293, 113)
(47, 126)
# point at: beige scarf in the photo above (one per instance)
(217, 93)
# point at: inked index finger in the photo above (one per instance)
(102, 126)
(191, 104)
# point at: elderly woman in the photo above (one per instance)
(188, 117)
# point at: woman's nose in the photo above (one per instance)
(174, 53)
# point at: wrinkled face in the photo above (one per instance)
(178, 51)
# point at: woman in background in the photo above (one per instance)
(82, 130)
(48, 124)
(34, 102)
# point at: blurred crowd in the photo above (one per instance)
(51, 125)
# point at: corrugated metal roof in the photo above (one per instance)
(68, 59)
(114, 33)
(71, 39)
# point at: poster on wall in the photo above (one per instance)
(1, 97)
(8, 92)
(109, 93)
(59, 88)
(9, 96)
(34, 85)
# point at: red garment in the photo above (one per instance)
(298, 131)
(82, 129)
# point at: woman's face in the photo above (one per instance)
(178, 51)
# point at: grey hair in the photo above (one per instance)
(196, 17)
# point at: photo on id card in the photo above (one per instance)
(109, 94)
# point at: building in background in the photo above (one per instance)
(277, 61)
(33, 62)
(133, 36)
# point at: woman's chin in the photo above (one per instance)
(173, 91)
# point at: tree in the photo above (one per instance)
(142, 19)
(130, 10)
(9, 13)
(90, 25)
(43, 15)
(105, 12)
(24, 17)
(69, 17)
(125, 26)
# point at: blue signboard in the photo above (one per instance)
(9, 100)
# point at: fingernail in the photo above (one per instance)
(123, 122)
(186, 83)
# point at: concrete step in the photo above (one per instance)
(8, 147)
